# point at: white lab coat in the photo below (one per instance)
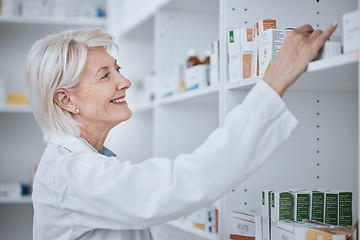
(80, 194)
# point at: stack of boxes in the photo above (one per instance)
(297, 214)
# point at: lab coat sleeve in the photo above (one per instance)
(120, 195)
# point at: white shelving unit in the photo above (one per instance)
(6, 200)
(324, 148)
(70, 21)
(155, 37)
(12, 109)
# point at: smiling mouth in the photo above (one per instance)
(118, 100)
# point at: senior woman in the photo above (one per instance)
(82, 191)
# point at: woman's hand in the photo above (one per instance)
(300, 47)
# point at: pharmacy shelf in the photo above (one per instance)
(191, 94)
(336, 61)
(190, 229)
(72, 21)
(15, 109)
(9, 200)
(242, 83)
(319, 65)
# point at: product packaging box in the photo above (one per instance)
(259, 29)
(246, 52)
(234, 55)
(331, 48)
(265, 213)
(317, 203)
(301, 205)
(324, 233)
(196, 77)
(281, 209)
(271, 43)
(345, 208)
(351, 31)
(214, 64)
(246, 225)
(331, 207)
(291, 230)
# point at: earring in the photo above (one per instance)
(77, 110)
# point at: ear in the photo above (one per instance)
(63, 100)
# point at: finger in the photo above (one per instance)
(315, 35)
(320, 41)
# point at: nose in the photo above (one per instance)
(123, 84)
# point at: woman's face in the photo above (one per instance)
(100, 94)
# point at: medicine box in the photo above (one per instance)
(196, 77)
(265, 214)
(301, 207)
(214, 64)
(323, 233)
(351, 31)
(291, 230)
(331, 207)
(234, 55)
(259, 29)
(271, 43)
(246, 225)
(317, 202)
(246, 52)
(281, 209)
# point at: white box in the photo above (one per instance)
(259, 29)
(246, 224)
(271, 43)
(291, 230)
(266, 214)
(196, 77)
(331, 48)
(246, 52)
(214, 64)
(234, 55)
(351, 31)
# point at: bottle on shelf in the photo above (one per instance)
(193, 59)
(207, 57)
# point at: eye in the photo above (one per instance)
(118, 69)
(105, 76)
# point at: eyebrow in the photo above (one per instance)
(105, 67)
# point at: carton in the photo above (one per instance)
(246, 225)
(271, 43)
(345, 208)
(265, 214)
(259, 28)
(331, 207)
(324, 233)
(234, 55)
(196, 77)
(317, 200)
(351, 31)
(246, 52)
(291, 230)
(281, 209)
(214, 64)
(301, 208)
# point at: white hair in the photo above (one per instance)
(54, 62)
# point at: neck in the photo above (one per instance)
(94, 138)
